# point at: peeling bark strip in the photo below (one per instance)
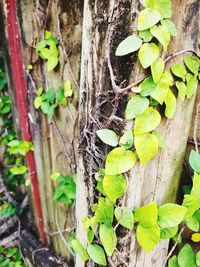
(19, 82)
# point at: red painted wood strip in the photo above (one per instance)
(20, 87)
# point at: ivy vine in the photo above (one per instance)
(150, 222)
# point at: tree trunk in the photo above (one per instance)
(99, 28)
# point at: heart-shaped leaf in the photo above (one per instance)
(125, 217)
(136, 106)
(148, 53)
(108, 239)
(108, 137)
(147, 18)
(162, 34)
(157, 69)
(129, 45)
(97, 254)
(147, 215)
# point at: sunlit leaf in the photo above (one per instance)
(173, 262)
(170, 102)
(192, 84)
(147, 18)
(146, 146)
(97, 254)
(170, 26)
(114, 186)
(108, 137)
(125, 217)
(193, 64)
(170, 215)
(108, 239)
(127, 140)
(192, 224)
(147, 86)
(148, 53)
(129, 45)
(79, 249)
(147, 215)
(194, 161)
(52, 62)
(104, 211)
(162, 34)
(37, 102)
(163, 6)
(179, 70)
(147, 122)
(168, 233)
(146, 35)
(136, 106)
(119, 160)
(186, 257)
(157, 69)
(182, 90)
(148, 238)
(198, 259)
(68, 90)
(195, 237)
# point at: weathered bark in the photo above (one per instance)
(158, 180)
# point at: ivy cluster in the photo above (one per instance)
(49, 101)
(11, 257)
(65, 191)
(151, 222)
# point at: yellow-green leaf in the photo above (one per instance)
(97, 254)
(147, 86)
(68, 90)
(182, 90)
(148, 53)
(136, 106)
(125, 217)
(195, 237)
(162, 34)
(127, 140)
(146, 35)
(52, 62)
(170, 26)
(168, 233)
(147, 122)
(164, 7)
(108, 137)
(157, 69)
(179, 70)
(108, 239)
(147, 18)
(119, 160)
(79, 249)
(192, 84)
(38, 102)
(146, 146)
(170, 103)
(129, 45)
(148, 238)
(193, 64)
(147, 215)
(114, 186)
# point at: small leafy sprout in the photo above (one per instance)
(65, 191)
(7, 210)
(29, 67)
(11, 257)
(47, 50)
(49, 101)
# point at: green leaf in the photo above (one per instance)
(194, 161)
(160, 92)
(198, 259)
(146, 146)
(163, 6)
(147, 215)
(18, 170)
(179, 70)
(162, 34)
(161, 140)
(147, 122)
(192, 84)
(119, 160)
(182, 90)
(170, 215)
(170, 26)
(147, 86)
(68, 90)
(52, 62)
(146, 35)
(186, 257)
(157, 69)
(38, 102)
(136, 106)
(148, 53)
(79, 249)
(125, 217)
(108, 137)
(173, 262)
(191, 203)
(104, 211)
(147, 18)
(196, 186)
(90, 236)
(97, 254)
(127, 140)
(193, 64)
(168, 233)
(170, 102)
(148, 238)
(108, 239)
(50, 96)
(114, 186)
(129, 45)
(192, 224)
